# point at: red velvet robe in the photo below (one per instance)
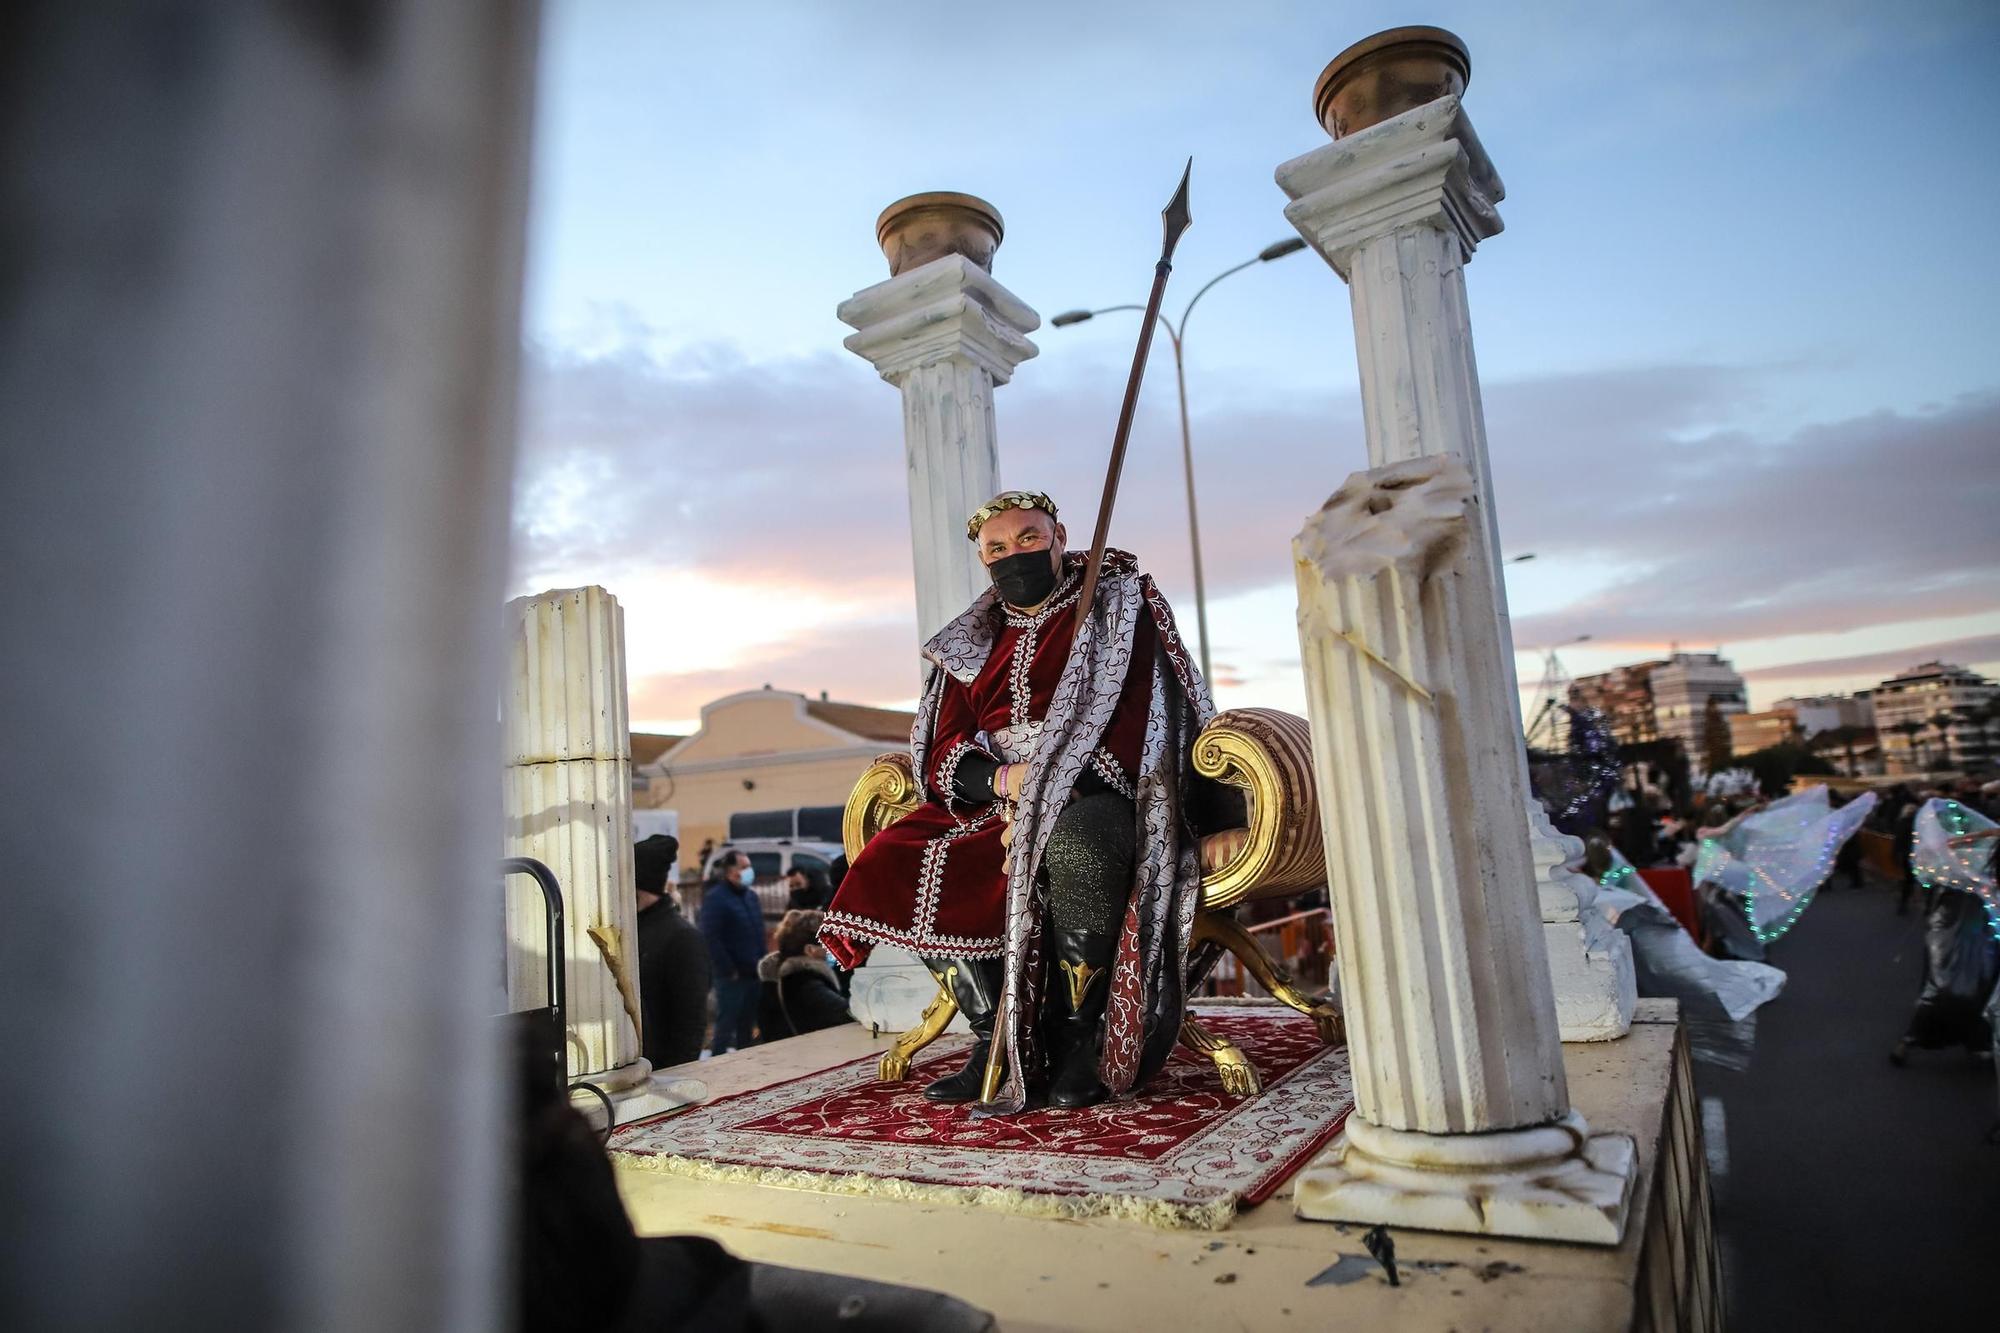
(932, 882)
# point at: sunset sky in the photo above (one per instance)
(1738, 340)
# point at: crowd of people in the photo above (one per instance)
(1933, 843)
(759, 983)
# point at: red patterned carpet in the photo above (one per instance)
(1184, 1153)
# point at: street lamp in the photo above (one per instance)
(1276, 250)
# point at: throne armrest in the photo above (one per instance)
(1267, 755)
(886, 792)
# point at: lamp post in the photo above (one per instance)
(1277, 250)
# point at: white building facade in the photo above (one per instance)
(1682, 691)
(1824, 712)
(1928, 719)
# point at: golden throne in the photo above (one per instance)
(1265, 754)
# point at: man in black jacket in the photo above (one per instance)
(673, 960)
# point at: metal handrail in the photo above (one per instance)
(552, 903)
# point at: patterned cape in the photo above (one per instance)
(1148, 985)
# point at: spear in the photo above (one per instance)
(1174, 220)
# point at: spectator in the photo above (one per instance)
(799, 993)
(809, 889)
(732, 921)
(673, 960)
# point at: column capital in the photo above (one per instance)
(1425, 167)
(947, 310)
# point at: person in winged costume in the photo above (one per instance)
(1051, 875)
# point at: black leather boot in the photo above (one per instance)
(1079, 989)
(975, 984)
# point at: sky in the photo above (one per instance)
(1737, 340)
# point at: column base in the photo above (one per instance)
(1554, 1182)
(635, 1093)
(623, 1081)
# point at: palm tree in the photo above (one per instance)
(1940, 722)
(1908, 731)
(1716, 751)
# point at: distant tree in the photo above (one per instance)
(1908, 731)
(1776, 766)
(1716, 750)
(1940, 722)
(1841, 740)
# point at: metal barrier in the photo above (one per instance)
(545, 1031)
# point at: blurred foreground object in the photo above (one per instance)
(256, 382)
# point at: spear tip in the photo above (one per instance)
(1174, 217)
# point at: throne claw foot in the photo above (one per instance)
(894, 1066)
(1330, 1022)
(1239, 1076)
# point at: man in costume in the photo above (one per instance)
(1051, 872)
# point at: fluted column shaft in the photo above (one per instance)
(1428, 853)
(568, 796)
(1397, 210)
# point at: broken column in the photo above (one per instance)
(568, 800)
(1397, 204)
(1462, 1119)
(945, 333)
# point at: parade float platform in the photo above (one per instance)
(1267, 1270)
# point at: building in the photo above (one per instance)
(1749, 732)
(764, 750)
(1624, 695)
(1825, 712)
(1683, 687)
(1936, 716)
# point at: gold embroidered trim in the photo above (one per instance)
(1001, 503)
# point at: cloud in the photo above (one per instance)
(1730, 535)
(1693, 525)
(867, 662)
(1977, 648)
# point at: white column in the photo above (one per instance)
(1397, 209)
(945, 333)
(1462, 1117)
(568, 799)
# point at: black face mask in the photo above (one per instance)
(1025, 578)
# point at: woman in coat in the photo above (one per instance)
(799, 992)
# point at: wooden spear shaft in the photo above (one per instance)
(1174, 220)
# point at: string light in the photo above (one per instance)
(1575, 782)
(1763, 867)
(1939, 865)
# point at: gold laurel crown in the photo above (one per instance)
(1004, 501)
